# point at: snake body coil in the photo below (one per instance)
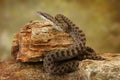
(67, 60)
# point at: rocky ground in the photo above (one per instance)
(89, 70)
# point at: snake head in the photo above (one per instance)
(62, 22)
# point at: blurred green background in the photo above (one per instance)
(100, 20)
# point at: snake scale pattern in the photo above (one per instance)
(67, 60)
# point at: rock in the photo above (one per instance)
(35, 39)
(103, 70)
(108, 69)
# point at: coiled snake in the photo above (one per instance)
(67, 60)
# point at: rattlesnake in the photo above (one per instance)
(67, 60)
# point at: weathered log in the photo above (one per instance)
(34, 39)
